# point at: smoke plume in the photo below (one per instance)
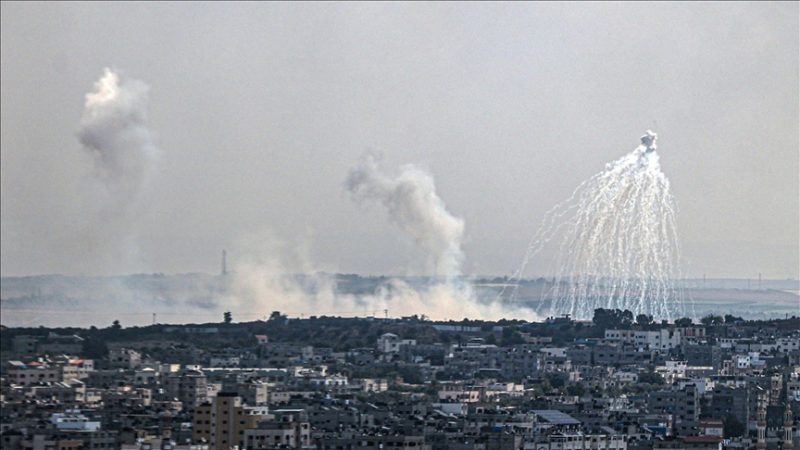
(272, 275)
(114, 131)
(262, 280)
(413, 206)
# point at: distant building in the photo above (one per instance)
(222, 422)
(73, 420)
(682, 404)
(289, 429)
(124, 358)
(390, 343)
(187, 386)
(31, 373)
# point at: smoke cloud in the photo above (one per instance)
(271, 275)
(113, 131)
(414, 207)
(263, 277)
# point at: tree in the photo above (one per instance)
(511, 336)
(227, 317)
(711, 320)
(556, 380)
(651, 378)
(603, 318)
(115, 325)
(411, 374)
(730, 318)
(612, 318)
(644, 319)
(683, 322)
(576, 389)
(95, 348)
(626, 318)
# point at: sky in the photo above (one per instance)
(259, 110)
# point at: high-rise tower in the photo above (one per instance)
(761, 420)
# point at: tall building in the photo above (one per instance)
(221, 423)
(788, 427)
(189, 386)
(761, 420)
(683, 404)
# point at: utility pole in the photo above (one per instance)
(154, 318)
(386, 314)
(224, 262)
(759, 281)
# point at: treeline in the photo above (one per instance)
(340, 333)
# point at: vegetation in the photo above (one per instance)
(651, 377)
(612, 318)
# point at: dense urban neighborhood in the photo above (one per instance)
(330, 383)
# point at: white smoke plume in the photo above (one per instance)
(114, 131)
(616, 242)
(262, 280)
(413, 206)
(271, 275)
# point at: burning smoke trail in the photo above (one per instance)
(617, 241)
(114, 131)
(413, 206)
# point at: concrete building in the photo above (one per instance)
(73, 420)
(683, 405)
(124, 358)
(23, 374)
(222, 422)
(188, 386)
(288, 429)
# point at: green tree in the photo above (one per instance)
(511, 336)
(556, 380)
(651, 377)
(227, 317)
(730, 318)
(576, 389)
(612, 318)
(95, 348)
(644, 319)
(711, 320)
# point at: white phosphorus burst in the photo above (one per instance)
(616, 240)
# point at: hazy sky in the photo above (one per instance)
(260, 110)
